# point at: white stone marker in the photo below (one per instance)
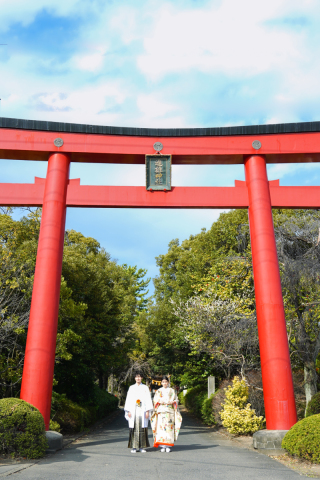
(211, 385)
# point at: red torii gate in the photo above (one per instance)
(253, 146)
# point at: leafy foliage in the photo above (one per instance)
(230, 338)
(197, 402)
(22, 430)
(207, 283)
(299, 255)
(184, 271)
(237, 415)
(72, 417)
(194, 398)
(207, 412)
(99, 302)
(54, 426)
(303, 439)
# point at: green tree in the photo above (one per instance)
(216, 266)
(184, 271)
(297, 236)
(99, 302)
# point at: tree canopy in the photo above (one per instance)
(99, 302)
(200, 321)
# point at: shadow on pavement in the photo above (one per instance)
(62, 456)
(197, 446)
(98, 442)
(193, 431)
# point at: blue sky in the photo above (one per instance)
(203, 63)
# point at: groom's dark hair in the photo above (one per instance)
(138, 372)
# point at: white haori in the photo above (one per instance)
(138, 392)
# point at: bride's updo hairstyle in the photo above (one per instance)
(165, 378)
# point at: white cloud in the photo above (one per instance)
(84, 104)
(153, 107)
(228, 38)
(156, 112)
(231, 38)
(91, 62)
(126, 23)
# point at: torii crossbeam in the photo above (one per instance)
(253, 146)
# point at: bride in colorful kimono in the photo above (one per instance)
(166, 419)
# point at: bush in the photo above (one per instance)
(237, 415)
(194, 398)
(54, 426)
(218, 399)
(22, 430)
(197, 402)
(207, 412)
(74, 418)
(313, 407)
(69, 415)
(104, 402)
(303, 439)
(181, 398)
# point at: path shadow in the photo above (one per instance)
(193, 431)
(65, 455)
(98, 442)
(196, 446)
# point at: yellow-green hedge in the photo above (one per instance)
(22, 430)
(303, 439)
(237, 415)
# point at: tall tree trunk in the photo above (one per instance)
(310, 381)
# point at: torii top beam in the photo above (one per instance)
(281, 143)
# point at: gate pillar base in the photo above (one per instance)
(55, 441)
(269, 441)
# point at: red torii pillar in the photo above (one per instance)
(38, 367)
(277, 380)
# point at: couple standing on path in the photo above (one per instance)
(164, 416)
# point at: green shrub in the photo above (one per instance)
(197, 402)
(54, 426)
(104, 402)
(303, 439)
(237, 415)
(74, 418)
(181, 398)
(194, 399)
(313, 407)
(207, 412)
(22, 430)
(70, 416)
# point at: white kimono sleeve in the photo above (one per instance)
(130, 407)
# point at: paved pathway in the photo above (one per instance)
(198, 455)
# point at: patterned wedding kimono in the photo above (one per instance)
(166, 419)
(138, 402)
